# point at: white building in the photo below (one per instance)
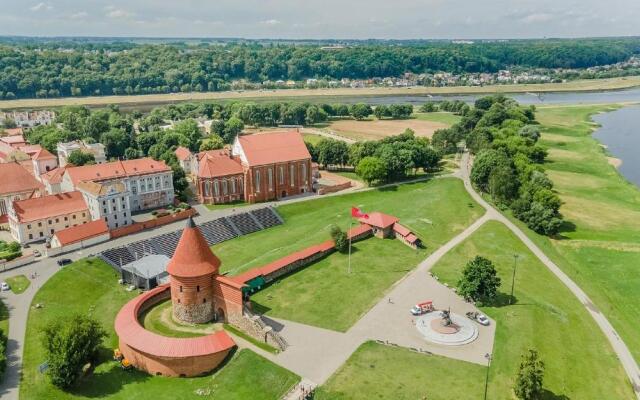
(28, 119)
(108, 201)
(65, 149)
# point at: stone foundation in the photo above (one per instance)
(194, 313)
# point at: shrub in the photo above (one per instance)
(480, 281)
(340, 239)
(528, 384)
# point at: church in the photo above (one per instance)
(258, 167)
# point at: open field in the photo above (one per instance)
(90, 286)
(545, 316)
(159, 319)
(330, 95)
(446, 118)
(377, 129)
(377, 371)
(435, 210)
(18, 283)
(600, 244)
(315, 295)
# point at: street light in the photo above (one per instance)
(486, 381)
(513, 278)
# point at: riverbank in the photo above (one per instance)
(599, 244)
(328, 95)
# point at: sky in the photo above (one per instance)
(322, 19)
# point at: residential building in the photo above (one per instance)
(38, 219)
(65, 149)
(108, 201)
(260, 167)
(79, 236)
(15, 141)
(18, 184)
(52, 180)
(185, 158)
(149, 183)
(29, 119)
(43, 161)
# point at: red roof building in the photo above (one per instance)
(89, 232)
(272, 147)
(16, 184)
(116, 169)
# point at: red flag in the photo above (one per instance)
(357, 213)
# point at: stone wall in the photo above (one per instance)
(193, 299)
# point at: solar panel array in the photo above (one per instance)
(215, 231)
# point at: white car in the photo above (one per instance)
(4, 286)
(482, 319)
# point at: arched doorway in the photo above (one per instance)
(284, 193)
(220, 315)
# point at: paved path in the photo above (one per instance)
(620, 348)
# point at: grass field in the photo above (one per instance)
(600, 247)
(377, 371)
(4, 318)
(159, 319)
(377, 129)
(435, 210)
(315, 295)
(18, 283)
(545, 315)
(324, 95)
(235, 204)
(90, 286)
(446, 118)
(312, 138)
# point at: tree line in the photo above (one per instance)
(39, 69)
(503, 136)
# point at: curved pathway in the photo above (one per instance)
(620, 348)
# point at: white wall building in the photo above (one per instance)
(108, 201)
(65, 149)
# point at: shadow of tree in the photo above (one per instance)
(108, 381)
(565, 227)
(549, 395)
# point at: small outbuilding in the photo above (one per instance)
(147, 272)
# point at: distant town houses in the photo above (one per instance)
(258, 167)
(64, 150)
(28, 119)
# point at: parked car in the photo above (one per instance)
(37, 253)
(64, 261)
(4, 286)
(479, 318)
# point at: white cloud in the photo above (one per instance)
(79, 15)
(118, 13)
(537, 18)
(271, 22)
(41, 6)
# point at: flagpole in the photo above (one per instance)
(349, 234)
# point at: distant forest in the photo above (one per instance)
(32, 68)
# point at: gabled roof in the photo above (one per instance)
(82, 232)
(401, 229)
(43, 154)
(101, 189)
(379, 220)
(13, 140)
(54, 176)
(14, 131)
(182, 153)
(49, 206)
(270, 148)
(116, 169)
(14, 178)
(215, 163)
(193, 257)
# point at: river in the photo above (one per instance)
(620, 132)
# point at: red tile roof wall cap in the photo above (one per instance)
(401, 229)
(82, 232)
(411, 238)
(379, 220)
(270, 148)
(193, 257)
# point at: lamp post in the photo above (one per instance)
(513, 277)
(486, 380)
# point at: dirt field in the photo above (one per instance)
(329, 95)
(378, 129)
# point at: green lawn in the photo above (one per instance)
(580, 363)
(600, 248)
(436, 210)
(235, 204)
(18, 283)
(444, 117)
(376, 371)
(152, 321)
(315, 295)
(312, 138)
(4, 318)
(90, 286)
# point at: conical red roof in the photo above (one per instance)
(193, 257)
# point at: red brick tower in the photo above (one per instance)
(192, 271)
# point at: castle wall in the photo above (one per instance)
(193, 299)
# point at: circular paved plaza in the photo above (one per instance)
(461, 331)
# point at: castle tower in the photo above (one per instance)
(192, 271)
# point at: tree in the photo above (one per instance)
(360, 111)
(503, 184)
(80, 158)
(213, 142)
(480, 281)
(340, 239)
(130, 153)
(315, 115)
(69, 344)
(530, 377)
(9, 124)
(483, 166)
(371, 169)
(429, 107)
(115, 142)
(189, 128)
(530, 132)
(231, 129)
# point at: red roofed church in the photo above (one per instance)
(260, 167)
